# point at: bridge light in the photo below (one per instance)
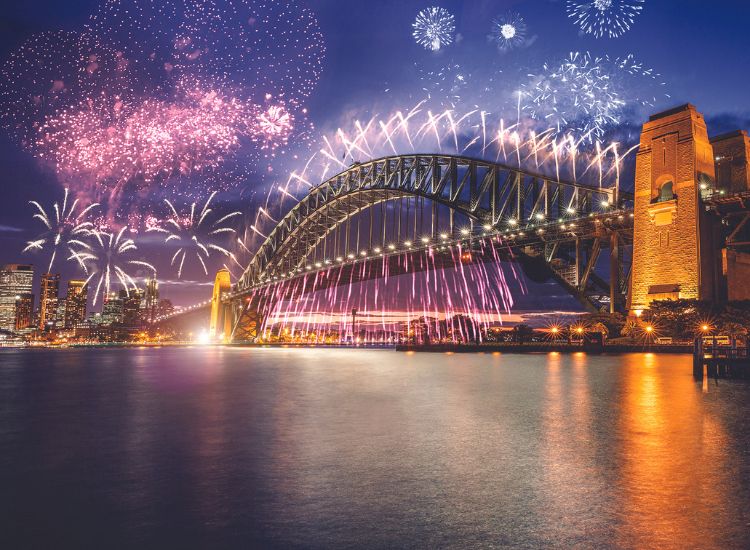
(377, 250)
(407, 243)
(363, 253)
(513, 221)
(487, 227)
(350, 256)
(425, 240)
(570, 210)
(443, 236)
(539, 216)
(391, 247)
(318, 264)
(339, 259)
(328, 262)
(605, 203)
(308, 267)
(464, 231)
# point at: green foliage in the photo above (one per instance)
(683, 318)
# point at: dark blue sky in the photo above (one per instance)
(700, 48)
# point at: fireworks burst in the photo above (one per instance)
(587, 95)
(610, 18)
(66, 227)
(190, 232)
(434, 28)
(576, 95)
(154, 92)
(508, 31)
(106, 259)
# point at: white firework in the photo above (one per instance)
(576, 95)
(605, 18)
(106, 257)
(191, 231)
(508, 31)
(434, 28)
(66, 227)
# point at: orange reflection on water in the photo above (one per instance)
(671, 453)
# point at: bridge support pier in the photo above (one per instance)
(614, 271)
(248, 323)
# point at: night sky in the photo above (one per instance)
(373, 64)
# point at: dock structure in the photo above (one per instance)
(717, 361)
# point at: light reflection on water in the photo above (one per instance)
(205, 447)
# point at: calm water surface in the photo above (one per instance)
(184, 448)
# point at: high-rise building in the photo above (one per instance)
(48, 299)
(24, 311)
(131, 306)
(151, 300)
(112, 309)
(15, 281)
(75, 303)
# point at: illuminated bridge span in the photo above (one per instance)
(685, 231)
(411, 203)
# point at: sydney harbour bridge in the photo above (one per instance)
(611, 249)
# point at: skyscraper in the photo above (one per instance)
(151, 300)
(15, 281)
(24, 311)
(48, 298)
(131, 306)
(75, 303)
(112, 309)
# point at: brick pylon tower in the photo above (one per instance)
(220, 324)
(673, 252)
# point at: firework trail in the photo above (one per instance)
(105, 257)
(434, 28)
(66, 227)
(190, 232)
(508, 31)
(604, 18)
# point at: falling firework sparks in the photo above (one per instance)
(610, 18)
(66, 227)
(446, 83)
(190, 231)
(106, 258)
(508, 31)
(434, 28)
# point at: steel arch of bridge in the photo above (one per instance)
(491, 194)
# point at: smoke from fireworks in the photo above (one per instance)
(106, 258)
(610, 18)
(434, 28)
(66, 227)
(190, 231)
(508, 31)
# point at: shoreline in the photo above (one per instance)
(531, 348)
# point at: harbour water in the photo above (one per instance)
(212, 447)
